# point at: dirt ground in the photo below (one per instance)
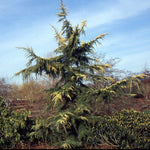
(44, 146)
(138, 104)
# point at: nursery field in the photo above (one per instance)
(75, 99)
(136, 106)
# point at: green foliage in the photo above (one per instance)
(14, 126)
(70, 97)
(42, 133)
(126, 129)
(70, 142)
(147, 111)
(117, 89)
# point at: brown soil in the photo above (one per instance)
(35, 146)
(138, 104)
(44, 146)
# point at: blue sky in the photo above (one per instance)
(27, 23)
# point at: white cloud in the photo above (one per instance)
(120, 9)
(132, 48)
(133, 39)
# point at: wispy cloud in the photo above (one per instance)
(120, 9)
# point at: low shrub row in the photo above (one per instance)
(127, 129)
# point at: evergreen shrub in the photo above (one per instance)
(15, 127)
(127, 129)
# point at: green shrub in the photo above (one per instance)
(14, 126)
(126, 129)
(42, 133)
(51, 135)
(147, 111)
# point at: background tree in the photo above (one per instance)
(4, 88)
(113, 71)
(70, 97)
